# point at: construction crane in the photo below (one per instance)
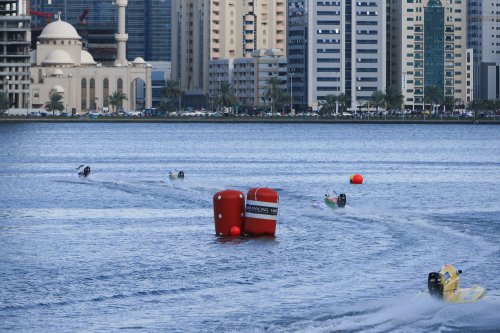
(48, 16)
(83, 16)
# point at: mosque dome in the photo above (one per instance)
(58, 57)
(86, 58)
(139, 61)
(59, 30)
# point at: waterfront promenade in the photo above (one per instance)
(277, 119)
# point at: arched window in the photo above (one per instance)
(105, 92)
(119, 85)
(93, 100)
(84, 94)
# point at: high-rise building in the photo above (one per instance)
(249, 77)
(336, 47)
(190, 45)
(428, 49)
(14, 53)
(237, 28)
(148, 25)
(483, 37)
(214, 29)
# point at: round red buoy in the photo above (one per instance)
(261, 212)
(229, 209)
(235, 231)
(356, 179)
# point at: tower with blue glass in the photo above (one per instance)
(434, 45)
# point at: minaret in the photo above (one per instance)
(121, 37)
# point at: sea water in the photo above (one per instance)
(126, 249)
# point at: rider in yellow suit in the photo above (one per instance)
(452, 293)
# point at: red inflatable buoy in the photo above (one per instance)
(229, 209)
(261, 211)
(235, 231)
(356, 179)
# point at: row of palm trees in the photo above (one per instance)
(392, 99)
(435, 96)
(226, 97)
(55, 102)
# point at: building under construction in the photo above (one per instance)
(14, 53)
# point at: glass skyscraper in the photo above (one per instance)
(434, 45)
(428, 48)
(148, 28)
(148, 25)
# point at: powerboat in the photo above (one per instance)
(445, 285)
(334, 201)
(83, 170)
(176, 175)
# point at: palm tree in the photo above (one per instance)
(458, 104)
(342, 100)
(475, 106)
(377, 99)
(226, 96)
(282, 100)
(433, 95)
(393, 98)
(116, 99)
(4, 102)
(449, 103)
(329, 105)
(55, 102)
(273, 90)
(496, 105)
(166, 106)
(171, 90)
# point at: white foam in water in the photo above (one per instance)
(411, 314)
(108, 213)
(127, 248)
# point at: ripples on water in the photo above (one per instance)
(127, 249)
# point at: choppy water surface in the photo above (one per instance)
(126, 249)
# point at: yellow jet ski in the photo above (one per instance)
(445, 285)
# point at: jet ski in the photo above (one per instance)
(334, 201)
(445, 285)
(83, 171)
(176, 175)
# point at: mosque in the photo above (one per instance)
(59, 64)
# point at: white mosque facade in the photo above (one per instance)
(59, 64)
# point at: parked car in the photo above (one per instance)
(134, 113)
